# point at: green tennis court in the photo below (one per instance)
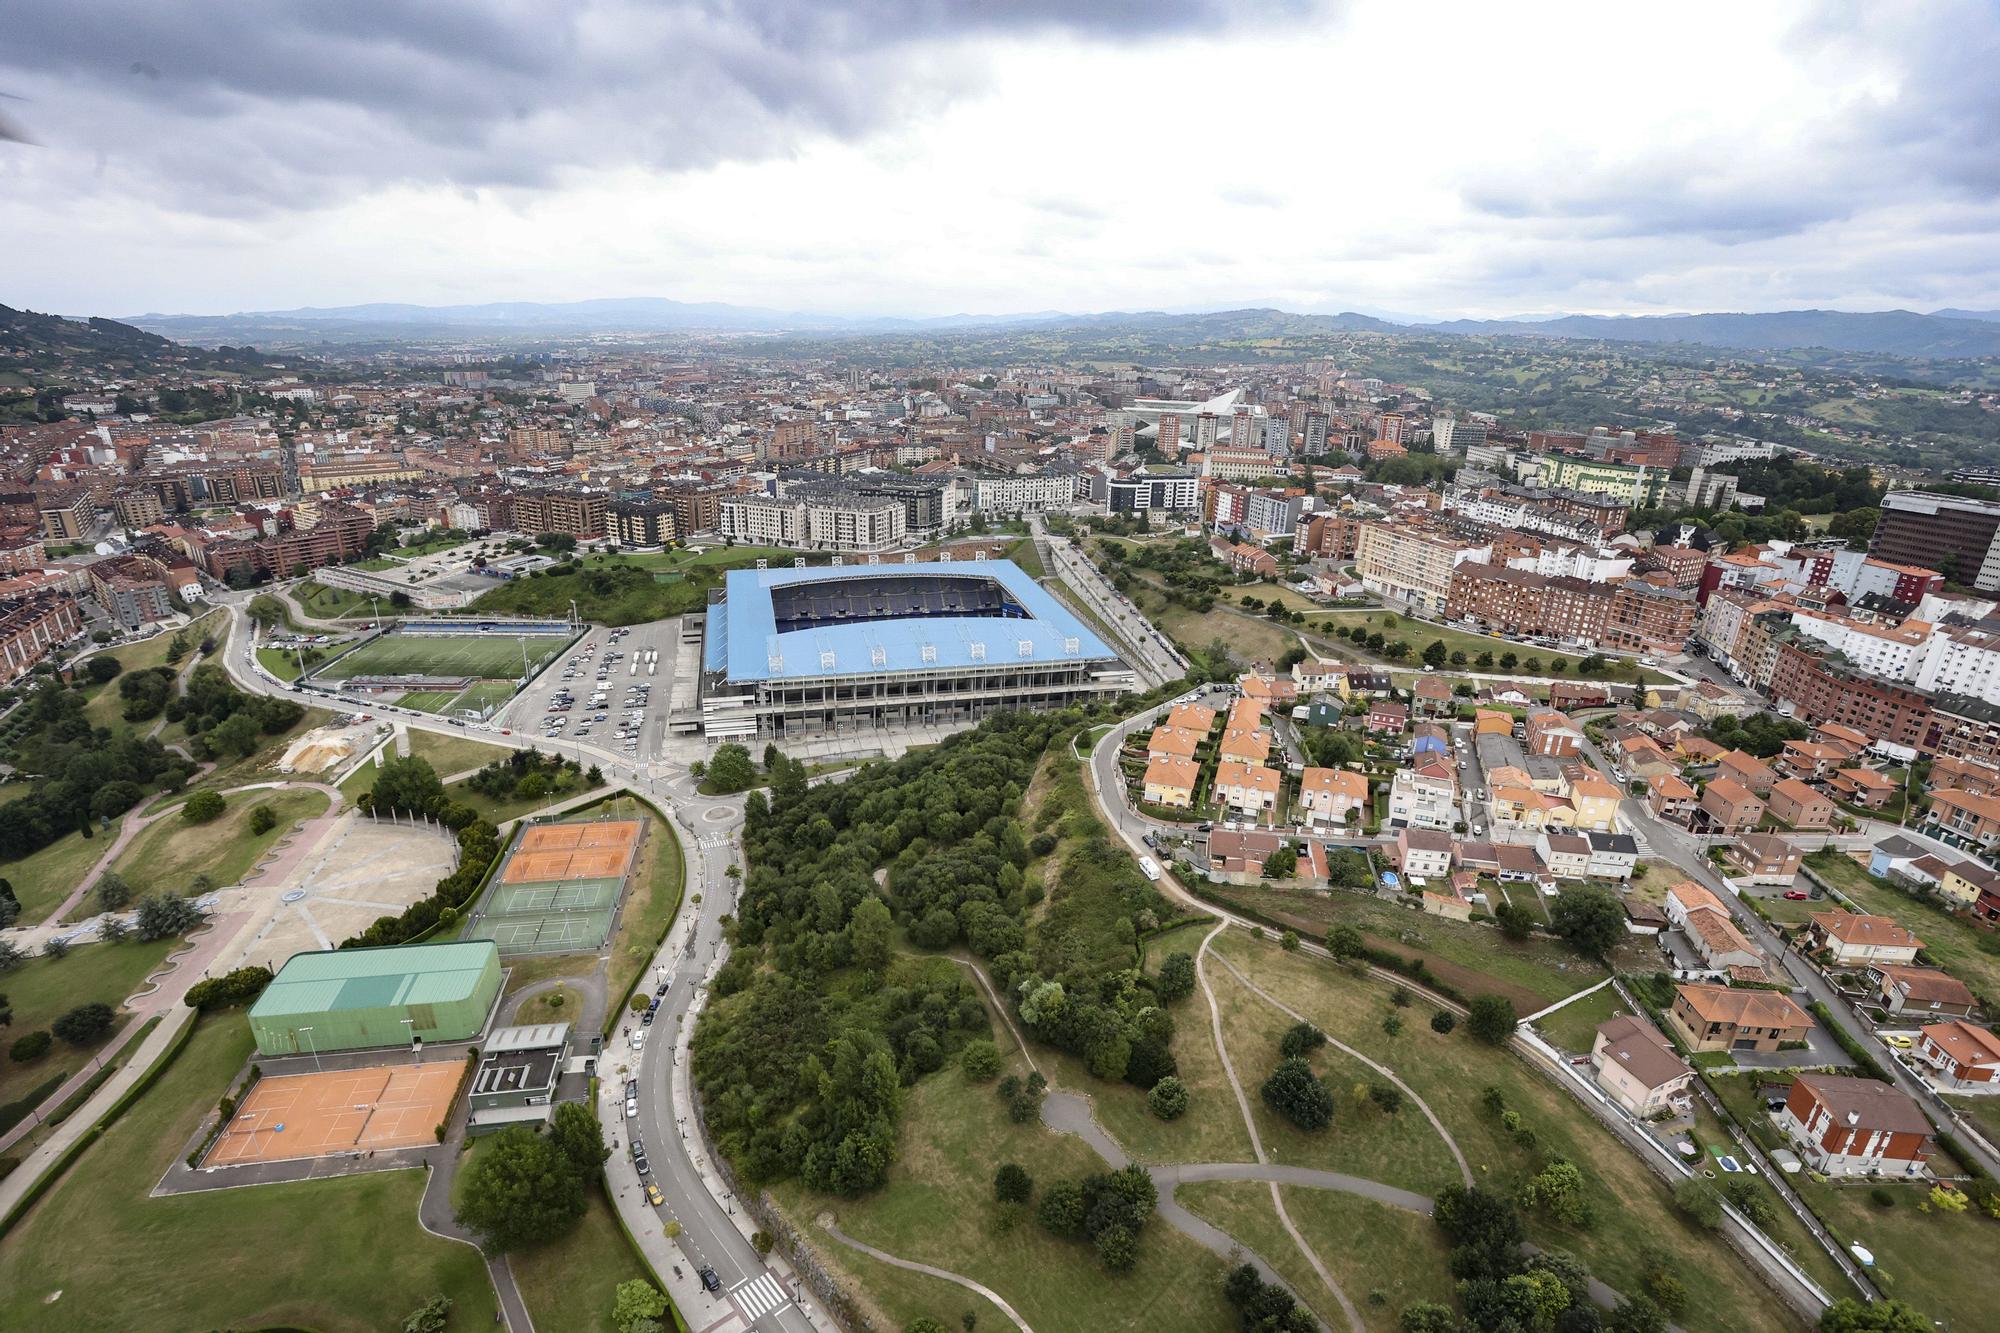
(539, 916)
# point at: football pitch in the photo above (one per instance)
(483, 656)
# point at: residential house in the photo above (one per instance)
(1567, 855)
(1856, 1126)
(1839, 733)
(1595, 802)
(1709, 928)
(1509, 693)
(1524, 807)
(1964, 883)
(1426, 796)
(1388, 716)
(1852, 939)
(1553, 734)
(1452, 906)
(1727, 806)
(1748, 769)
(1579, 694)
(1800, 807)
(1492, 722)
(1950, 772)
(1251, 746)
(1332, 798)
(1196, 718)
(1250, 790)
(1173, 743)
(1315, 674)
(1811, 761)
(1237, 855)
(1640, 758)
(1963, 819)
(1430, 738)
(1893, 854)
(1432, 696)
(1762, 859)
(1699, 750)
(1636, 1067)
(1922, 991)
(1862, 786)
(1671, 799)
(1171, 781)
(1612, 855)
(1717, 1018)
(1520, 864)
(1424, 853)
(1959, 1054)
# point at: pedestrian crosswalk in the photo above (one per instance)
(759, 1296)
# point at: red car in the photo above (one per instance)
(1796, 895)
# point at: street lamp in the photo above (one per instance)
(411, 1024)
(311, 1046)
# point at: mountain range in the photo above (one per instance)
(1942, 334)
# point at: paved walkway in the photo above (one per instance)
(827, 1224)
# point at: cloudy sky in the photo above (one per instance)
(927, 157)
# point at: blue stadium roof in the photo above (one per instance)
(743, 639)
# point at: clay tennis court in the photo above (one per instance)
(552, 852)
(347, 1110)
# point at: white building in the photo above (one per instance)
(1965, 662)
(1421, 801)
(1892, 652)
(1025, 492)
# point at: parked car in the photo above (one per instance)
(1796, 895)
(710, 1280)
(653, 1195)
(631, 1108)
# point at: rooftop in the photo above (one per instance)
(351, 979)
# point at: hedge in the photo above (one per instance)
(84, 1140)
(14, 1112)
(1854, 1049)
(616, 1011)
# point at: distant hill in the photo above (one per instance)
(49, 342)
(1902, 333)
(1894, 332)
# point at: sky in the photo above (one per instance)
(932, 157)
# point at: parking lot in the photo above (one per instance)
(609, 690)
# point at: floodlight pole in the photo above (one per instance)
(313, 1047)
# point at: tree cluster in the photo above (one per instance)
(1109, 1209)
(1265, 1307)
(529, 1188)
(80, 775)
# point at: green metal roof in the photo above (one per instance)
(353, 979)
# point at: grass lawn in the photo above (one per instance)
(487, 656)
(324, 603)
(280, 662)
(453, 754)
(487, 696)
(895, 1297)
(1250, 638)
(1652, 879)
(1939, 1263)
(1634, 1211)
(43, 879)
(569, 1284)
(1981, 1111)
(512, 807)
(1024, 554)
(524, 972)
(1786, 1229)
(375, 564)
(43, 988)
(1533, 973)
(652, 896)
(1382, 1257)
(1957, 946)
(1420, 634)
(105, 707)
(167, 856)
(1574, 1026)
(428, 701)
(937, 1207)
(555, 1005)
(1401, 1149)
(209, 1260)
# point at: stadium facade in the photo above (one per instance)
(800, 652)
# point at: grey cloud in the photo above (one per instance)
(234, 105)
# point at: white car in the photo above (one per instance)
(631, 1108)
(638, 1039)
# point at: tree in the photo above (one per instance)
(925, 1324)
(408, 786)
(10, 956)
(237, 734)
(1492, 1019)
(1700, 1201)
(1428, 1317)
(980, 1060)
(574, 1129)
(1558, 1191)
(262, 820)
(637, 1299)
(1012, 1184)
(868, 932)
(1294, 1092)
(84, 1024)
(1436, 655)
(1638, 1315)
(103, 668)
(523, 1190)
(1443, 1021)
(55, 947)
(1344, 942)
(1848, 1315)
(1176, 979)
(1061, 1209)
(1117, 1248)
(113, 893)
(202, 807)
(1300, 1039)
(1281, 863)
(1515, 922)
(161, 915)
(1589, 918)
(430, 1317)
(731, 771)
(1168, 1099)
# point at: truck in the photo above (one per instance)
(1149, 868)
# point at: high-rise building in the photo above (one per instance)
(1170, 434)
(1391, 428)
(1207, 430)
(1956, 536)
(1315, 434)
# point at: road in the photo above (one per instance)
(709, 1231)
(1150, 652)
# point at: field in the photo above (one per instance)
(43, 988)
(1420, 634)
(1634, 1212)
(428, 701)
(483, 656)
(486, 696)
(1533, 973)
(43, 879)
(337, 1255)
(167, 856)
(1959, 947)
(1574, 1026)
(453, 754)
(324, 603)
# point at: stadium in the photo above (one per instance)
(799, 652)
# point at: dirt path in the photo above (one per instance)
(831, 1228)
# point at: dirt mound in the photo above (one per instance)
(321, 749)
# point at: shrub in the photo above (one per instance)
(1699, 1200)
(1169, 1098)
(1443, 1021)
(1296, 1094)
(203, 807)
(1012, 1184)
(262, 820)
(33, 1046)
(980, 1060)
(1387, 1096)
(1882, 1197)
(84, 1024)
(1300, 1038)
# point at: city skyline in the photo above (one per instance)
(942, 160)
